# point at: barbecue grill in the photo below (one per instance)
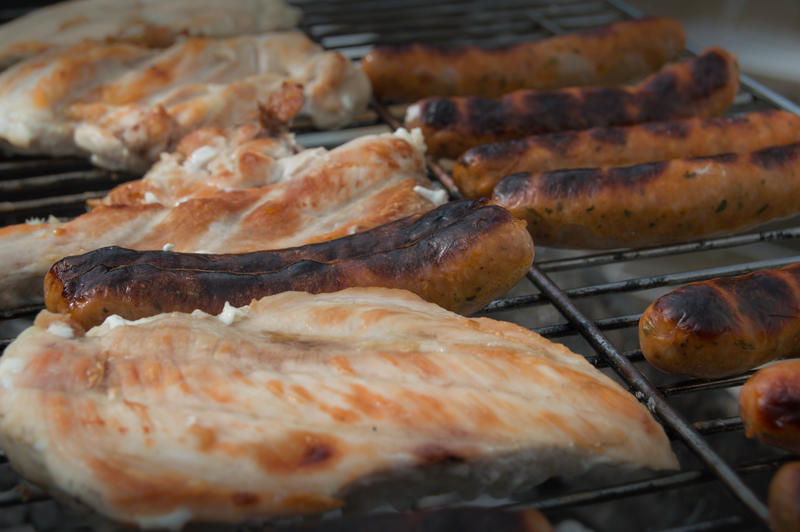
(589, 301)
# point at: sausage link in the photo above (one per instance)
(655, 203)
(769, 403)
(480, 168)
(784, 499)
(448, 256)
(702, 86)
(724, 326)
(610, 55)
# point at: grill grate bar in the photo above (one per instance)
(650, 253)
(629, 489)
(656, 401)
(69, 201)
(643, 283)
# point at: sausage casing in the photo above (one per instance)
(480, 168)
(448, 256)
(724, 326)
(610, 55)
(655, 203)
(784, 499)
(769, 403)
(701, 86)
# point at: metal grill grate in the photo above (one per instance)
(573, 296)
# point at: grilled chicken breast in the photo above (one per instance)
(126, 104)
(147, 22)
(210, 159)
(299, 403)
(207, 160)
(378, 183)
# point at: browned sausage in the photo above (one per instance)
(784, 499)
(702, 86)
(610, 55)
(655, 203)
(480, 168)
(769, 402)
(449, 256)
(724, 326)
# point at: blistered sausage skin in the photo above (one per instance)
(480, 168)
(617, 53)
(769, 402)
(701, 86)
(448, 256)
(725, 326)
(655, 203)
(784, 499)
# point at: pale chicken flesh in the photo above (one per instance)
(301, 403)
(124, 104)
(321, 196)
(147, 22)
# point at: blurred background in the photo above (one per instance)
(765, 34)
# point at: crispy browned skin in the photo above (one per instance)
(784, 499)
(610, 55)
(480, 168)
(702, 86)
(769, 402)
(440, 520)
(655, 203)
(448, 256)
(725, 326)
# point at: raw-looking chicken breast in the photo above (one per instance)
(302, 403)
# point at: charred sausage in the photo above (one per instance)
(480, 168)
(655, 203)
(610, 55)
(702, 86)
(769, 403)
(784, 499)
(448, 256)
(725, 326)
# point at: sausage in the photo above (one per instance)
(655, 203)
(769, 402)
(784, 499)
(448, 256)
(702, 86)
(610, 55)
(480, 168)
(724, 326)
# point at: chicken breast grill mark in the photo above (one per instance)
(125, 104)
(301, 403)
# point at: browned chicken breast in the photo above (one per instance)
(301, 403)
(125, 104)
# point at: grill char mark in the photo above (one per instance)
(764, 298)
(775, 157)
(564, 184)
(699, 309)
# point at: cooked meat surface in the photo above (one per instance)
(125, 104)
(378, 184)
(301, 403)
(153, 23)
(447, 256)
(209, 159)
